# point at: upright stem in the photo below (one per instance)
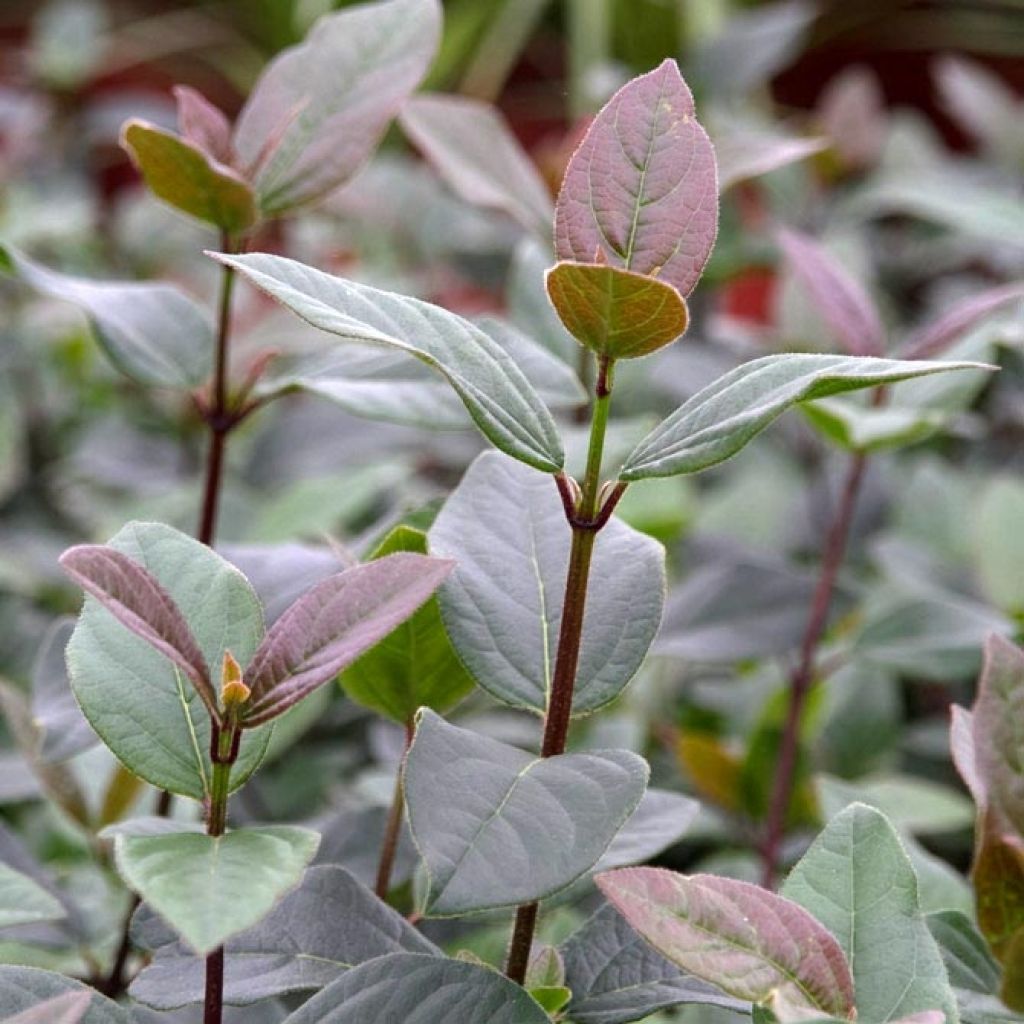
(585, 522)
(393, 831)
(802, 679)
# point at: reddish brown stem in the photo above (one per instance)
(393, 831)
(803, 677)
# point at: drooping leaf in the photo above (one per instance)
(749, 942)
(857, 880)
(23, 901)
(153, 333)
(418, 989)
(477, 155)
(615, 312)
(209, 888)
(719, 420)
(331, 625)
(25, 990)
(320, 108)
(328, 924)
(137, 600)
(70, 1008)
(494, 390)
(935, 337)
(415, 665)
(842, 301)
(498, 827)
(616, 976)
(137, 701)
(641, 192)
(182, 174)
(505, 528)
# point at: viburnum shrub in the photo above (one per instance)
(526, 584)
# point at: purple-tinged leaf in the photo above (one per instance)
(961, 742)
(641, 192)
(138, 601)
(203, 124)
(744, 154)
(853, 114)
(749, 942)
(320, 108)
(935, 337)
(69, 1008)
(614, 312)
(327, 628)
(843, 303)
(476, 153)
(182, 174)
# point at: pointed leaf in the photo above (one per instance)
(749, 942)
(327, 925)
(858, 881)
(942, 332)
(137, 600)
(209, 888)
(24, 901)
(203, 124)
(498, 827)
(70, 1008)
(28, 991)
(842, 301)
(152, 333)
(494, 390)
(188, 178)
(417, 989)
(136, 699)
(480, 159)
(745, 153)
(331, 625)
(718, 421)
(641, 192)
(415, 665)
(320, 108)
(616, 976)
(616, 313)
(505, 528)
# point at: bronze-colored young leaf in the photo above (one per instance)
(614, 312)
(749, 942)
(641, 192)
(332, 624)
(190, 179)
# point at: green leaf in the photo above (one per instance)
(143, 708)
(22, 901)
(497, 826)
(415, 665)
(208, 888)
(998, 543)
(615, 312)
(719, 420)
(865, 428)
(320, 108)
(418, 989)
(494, 390)
(551, 998)
(24, 989)
(912, 803)
(70, 1008)
(180, 173)
(153, 333)
(749, 942)
(505, 527)
(858, 881)
(968, 961)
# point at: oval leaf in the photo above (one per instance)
(511, 828)
(505, 528)
(749, 942)
(134, 697)
(719, 420)
(420, 990)
(614, 312)
(320, 108)
(208, 888)
(494, 390)
(152, 333)
(641, 192)
(331, 625)
(182, 174)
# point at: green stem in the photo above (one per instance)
(585, 521)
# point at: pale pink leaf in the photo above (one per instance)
(744, 154)
(203, 124)
(641, 192)
(68, 1008)
(937, 336)
(961, 742)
